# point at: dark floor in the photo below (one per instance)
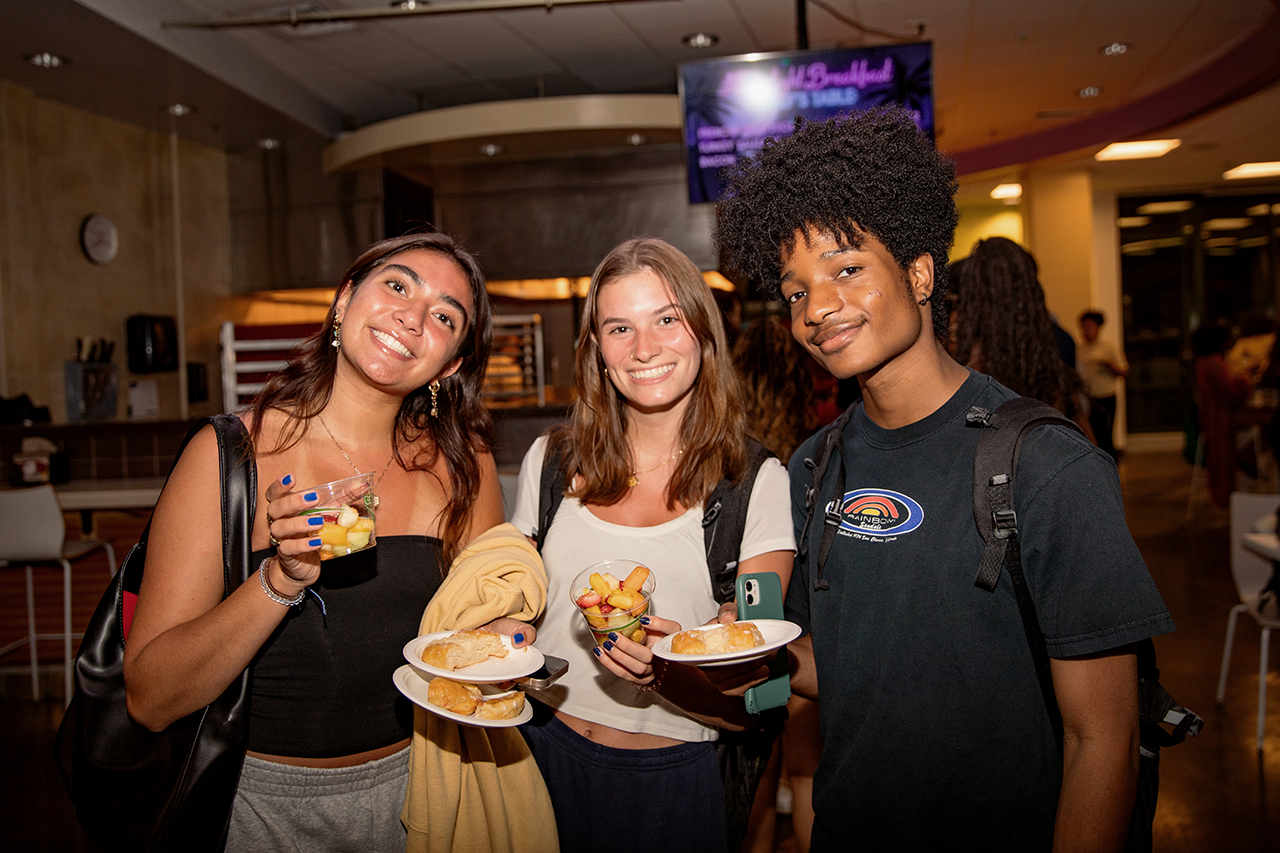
(1216, 792)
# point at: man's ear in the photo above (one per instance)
(920, 276)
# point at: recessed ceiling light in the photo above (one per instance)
(491, 149)
(1155, 208)
(701, 41)
(1143, 148)
(46, 60)
(268, 143)
(1116, 48)
(1253, 170)
(409, 5)
(179, 110)
(1258, 209)
(637, 139)
(1007, 191)
(1133, 221)
(1089, 92)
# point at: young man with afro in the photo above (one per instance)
(935, 731)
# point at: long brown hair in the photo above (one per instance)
(1002, 317)
(463, 430)
(777, 386)
(713, 429)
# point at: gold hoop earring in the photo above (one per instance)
(434, 387)
(337, 334)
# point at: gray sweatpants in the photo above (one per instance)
(357, 809)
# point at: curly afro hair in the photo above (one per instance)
(870, 172)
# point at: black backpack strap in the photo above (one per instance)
(994, 466)
(724, 520)
(993, 470)
(239, 497)
(551, 485)
(832, 437)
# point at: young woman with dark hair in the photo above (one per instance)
(658, 423)
(389, 385)
(1003, 329)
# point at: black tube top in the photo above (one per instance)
(321, 685)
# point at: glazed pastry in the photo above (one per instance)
(734, 637)
(463, 648)
(453, 696)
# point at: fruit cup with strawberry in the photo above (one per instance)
(612, 596)
(347, 508)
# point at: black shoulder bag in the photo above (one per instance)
(134, 789)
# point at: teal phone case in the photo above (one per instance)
(759, 596)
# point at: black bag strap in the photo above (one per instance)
(551, 485)
(239, 475)
(831, 438)
(994, 465)
(993, 468)
(723, 520)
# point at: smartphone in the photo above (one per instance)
(551, 669)
(759, 596)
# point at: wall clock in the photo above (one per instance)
(98, 238)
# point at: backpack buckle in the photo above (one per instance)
(1005, 523)
(978, 416)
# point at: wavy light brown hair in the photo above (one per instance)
(713, 430)
(464, 429)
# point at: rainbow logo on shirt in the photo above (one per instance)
(879, 512)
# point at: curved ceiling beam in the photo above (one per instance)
(531, 115)
(1250, 66)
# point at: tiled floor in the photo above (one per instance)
(1217, 793)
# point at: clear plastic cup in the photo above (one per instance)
(347, 506)
(612, 603)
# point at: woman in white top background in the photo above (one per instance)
(658, 422)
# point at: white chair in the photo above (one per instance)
(1251, 572)
(35, 532)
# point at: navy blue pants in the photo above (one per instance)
(669, 800)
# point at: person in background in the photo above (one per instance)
(780, 415)
(1220, 393)
(657, 424)
(391, 384)
(935, 731)
(1002, 329)
(1101, 367)
(730, 305)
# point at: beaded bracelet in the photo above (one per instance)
(271, 593)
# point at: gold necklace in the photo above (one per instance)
(633, 479)
(385, 468)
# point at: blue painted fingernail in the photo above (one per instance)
(310, 496)
(608, 646)
(597, 651)
(286, 479)
(517, 638)
(314, 543)
(644, 620)
(315, 520)
(613, 636)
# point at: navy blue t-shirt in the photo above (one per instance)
(935, 734)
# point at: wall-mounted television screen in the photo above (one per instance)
(732, 104)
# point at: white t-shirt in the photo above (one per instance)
(675, 552)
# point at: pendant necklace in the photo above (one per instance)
(385, 468)
(633, 479)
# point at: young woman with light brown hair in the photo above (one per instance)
(658, 422)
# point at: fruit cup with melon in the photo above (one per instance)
(612, 596)
(347, 508)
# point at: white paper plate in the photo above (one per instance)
(414, 686)
(517, 663)
(776, 632)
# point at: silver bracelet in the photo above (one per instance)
(271, 593)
